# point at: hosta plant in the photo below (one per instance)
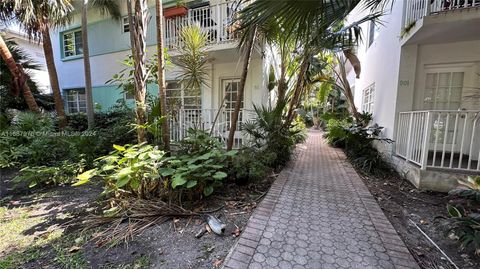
(130, 170)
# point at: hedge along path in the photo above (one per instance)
(319, 214)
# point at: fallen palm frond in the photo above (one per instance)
(130, 217)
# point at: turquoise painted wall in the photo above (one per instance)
(107, 96)
(106, 36)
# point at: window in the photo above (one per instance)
(373, 32)
(76, 101)
(443, 91)
(125, 25)
(180, 98)
(368, 99)
(72, 43)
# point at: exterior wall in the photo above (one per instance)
(34, 50)
(379, 63)
(109, 47)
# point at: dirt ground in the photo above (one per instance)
(402, 202)
(37, 231)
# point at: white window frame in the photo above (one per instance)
(125, 25)
(77, 107)
(182, 96)
(368, 99)
(74, 45)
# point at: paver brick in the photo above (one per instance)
(319, 214)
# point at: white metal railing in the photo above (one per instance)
(417, 9)
(215, 20)
(446, 139)
(210, 120)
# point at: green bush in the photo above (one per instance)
(249, 166)
(269, 135)
(464, 212)
(63, 173)
(130, 170)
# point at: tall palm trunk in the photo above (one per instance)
(52, 73)
(161, 75)
(86, 67)
(298, 87)
(241, 89)
(19, 75)
(140, 73)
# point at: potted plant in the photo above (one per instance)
(179, 10)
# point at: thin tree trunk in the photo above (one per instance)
(52, 73)
(131, 24)
(140, 72)
(298, 88)
(19, 75)
(241, 90)
(161, 75)
(86, 65)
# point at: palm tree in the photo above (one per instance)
(20, 79)
(161, 74)
(37, 18)
(105, 6)
(249, 42)
(139, 18)
(313, 25)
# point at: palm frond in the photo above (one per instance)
(110, 7)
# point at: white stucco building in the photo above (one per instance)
(421, 80)
(109, 43)
(34, 50)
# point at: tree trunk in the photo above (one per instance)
(298, 88)
(19, 75)
(52, 73)
(86, 65)
(241, 90)
(161, 75)
(140, 72)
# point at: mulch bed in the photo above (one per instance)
(167, 245)
(402, 202)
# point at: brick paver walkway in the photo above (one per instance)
(319, 214)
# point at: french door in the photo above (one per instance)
(230, 90)
(443, 91)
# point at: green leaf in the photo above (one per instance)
(178, 180)
(231, 153)
(191, 184)
(220, 175)
(165, 172)
(208, 190)
(135, 184)
(205, 156)
(119, 148)
(85, 177)
(122, 181)
(453, 212)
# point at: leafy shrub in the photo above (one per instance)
(130, 170)
(336, 132)
(49, 175)
(299, 130)
(465, 213)
(200, 173)
(270, 136)
(198, 142)
(249, 166)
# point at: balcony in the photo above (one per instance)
(214, 121)
(215, 20)
(440, 139)
(440, 21)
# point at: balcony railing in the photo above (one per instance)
(215, 121)
(417, 9)
(215, 20)
(440, 138)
